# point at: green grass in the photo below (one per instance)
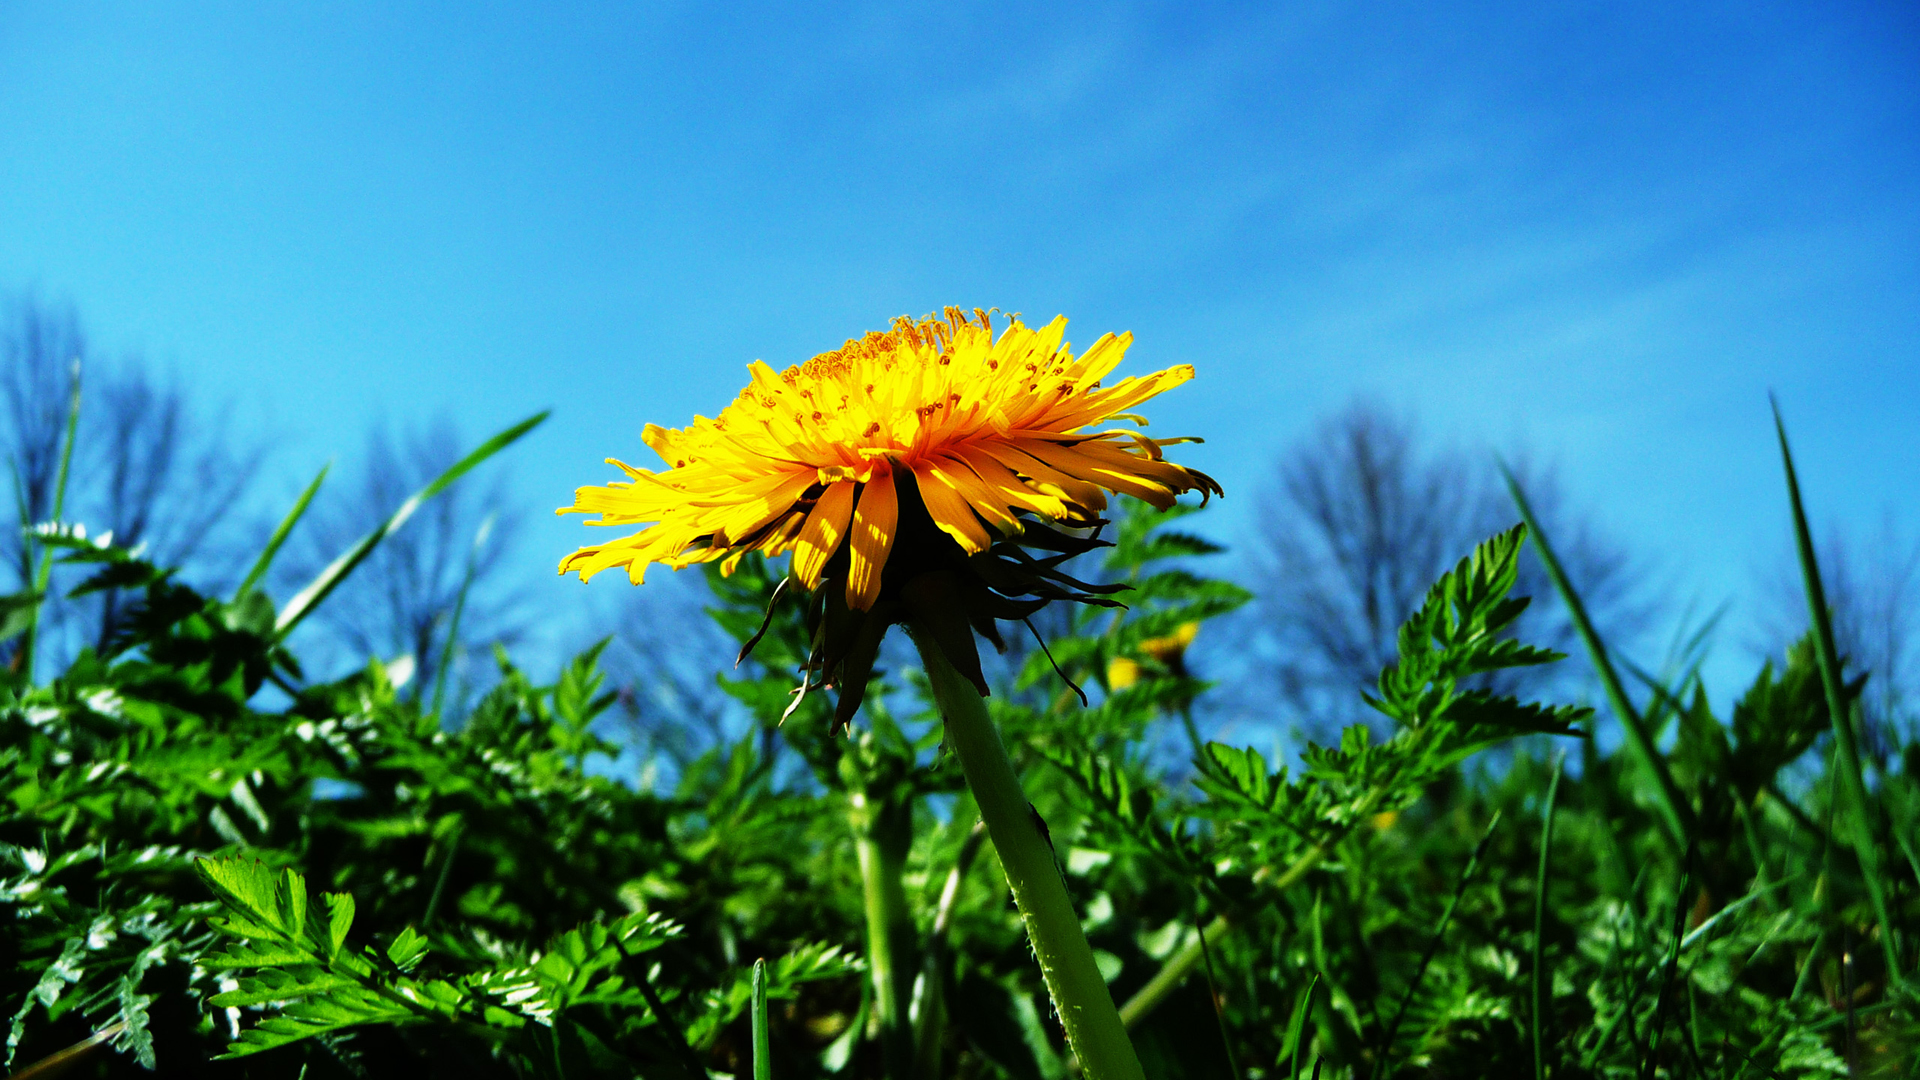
(1730, 895)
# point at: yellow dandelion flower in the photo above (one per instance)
(1122, 672)
(908, 473)
(937, 418)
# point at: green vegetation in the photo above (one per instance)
(216, 867)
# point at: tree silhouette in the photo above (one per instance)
(1356, 521)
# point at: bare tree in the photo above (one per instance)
(662, 658)
(404, 599)
(161, 479)
(145, 468)
(1358, 521)
(1873, 595)
(42, 349)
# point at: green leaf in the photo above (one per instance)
(17, 613)
(340, 911)
(407, 949)
(574, 698)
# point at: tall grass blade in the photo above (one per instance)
(440, 883)
(44, 575)
(762, 1052)
(459, 609)
(280, 534)
(1219, 1014)
(1542, 978)
(23, 515)
(1673, 808)
(1852, 775)
(1650, 1062)
(317, 590)
(1296, 1028)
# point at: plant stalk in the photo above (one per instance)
(1080, 995)
(929, 991)
(1542, 978)
(881, 838)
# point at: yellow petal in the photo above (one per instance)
(950, 512)
(874, 521)
(821, 535)
(984, 502)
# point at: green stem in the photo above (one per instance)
(929, 992)
(1080, 996)
(1542, 979)
(882, 834)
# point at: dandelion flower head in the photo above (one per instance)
(936, 417)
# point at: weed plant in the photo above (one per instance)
(214, 866)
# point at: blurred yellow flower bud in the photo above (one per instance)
(1122, 672)
(1171, 651)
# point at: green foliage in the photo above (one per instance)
(211, 865)
(590, 982)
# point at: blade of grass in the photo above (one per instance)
(440, 883)
(1296, 1028)
(1902, 829)
(1433, 946)
(675, 1035)
(280, 535)
(1219, 1014)
(308, 598)
(459, 609)
(762, 1052)
(44, 575)
(24, 515)
(1542, 978)
(1853, 778)
(1675, 813)
(1672, 966)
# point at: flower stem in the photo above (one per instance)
(1079, 993)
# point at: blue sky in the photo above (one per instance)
(1603, 231)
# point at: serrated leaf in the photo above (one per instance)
(340, 911)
